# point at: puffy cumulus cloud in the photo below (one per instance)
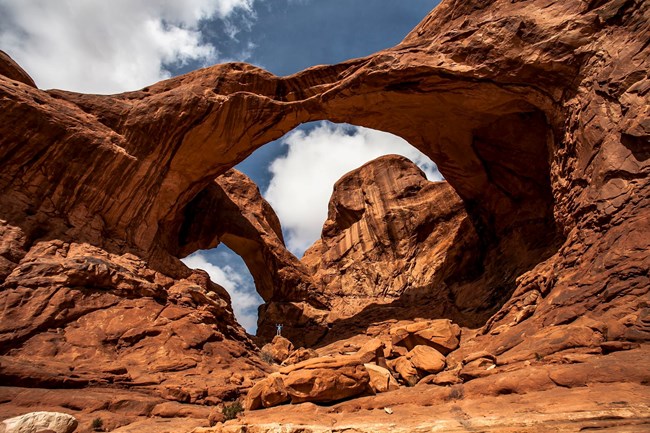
(245, 299)
(302, 180)
(101, 46)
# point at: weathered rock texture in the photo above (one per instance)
(540, 398)
(536, 113)
(395, 245)
(36, 422)
(232, 210)
(76, 316)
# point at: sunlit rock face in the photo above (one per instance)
(535, 113)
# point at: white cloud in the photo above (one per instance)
(302, 181)
(102, 46)
(244, 299)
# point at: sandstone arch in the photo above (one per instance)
(464, 87)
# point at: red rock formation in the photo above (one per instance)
(232, 211)
(535, 112)
(10, 69)
(76, 316)
(388, 235)
(394, 245)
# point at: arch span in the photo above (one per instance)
(522, 128)
(486, 261)
(169, 142)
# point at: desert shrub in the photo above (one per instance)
(267, 357)
(231, 410)
(97, 424)
(456, 393)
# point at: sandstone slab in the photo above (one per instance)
(35, 422)
(380, 379)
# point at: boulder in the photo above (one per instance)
(326, 384)
(477, 368)
(35, 422)
(322, 379)
(381, 379)
(405, 368)
(426, 359)
(279, 349)
(449, 377)
(442, 334)
(300, 355)
(372, 350)
(268, 392)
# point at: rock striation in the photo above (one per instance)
(391, 242)
(536, 113)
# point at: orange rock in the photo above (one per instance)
(268, 392)
(442, 335)
(279, 349)
(380, 379)
(300, 355)
(326, 384)
(405, 368)
(427, 359)
(477, 368)
(542, 222)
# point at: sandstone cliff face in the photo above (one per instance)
(535, 112)
(386, 235)
(76, 316)
(392, 247)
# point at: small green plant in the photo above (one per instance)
(230, 411)
(267, 357)
(97, 424)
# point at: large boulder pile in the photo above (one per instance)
(409, 354)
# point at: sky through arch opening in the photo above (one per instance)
(298, 181)
(296, 175)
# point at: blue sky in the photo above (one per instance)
(95, 46)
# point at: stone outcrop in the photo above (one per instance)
(279, 349)
(567, 397)
(390, 241)
(232, 210)
(10, 69)
(380, 379)
(314, 380)
(511, 125)
(76, 316)
(35, 422)
(442, 335)
(352, 370)
(326, 378)
(534, 111)
(388, 235)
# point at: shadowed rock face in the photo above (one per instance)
(535, 112)
(394, 245)
(232, 210)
